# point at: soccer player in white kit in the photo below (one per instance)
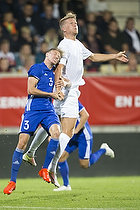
(71, 68)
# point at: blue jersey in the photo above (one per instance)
(40, 110)
(45, 83)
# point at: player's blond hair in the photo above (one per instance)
(57, 49)
(67, 16)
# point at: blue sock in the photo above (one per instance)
(16, 162)
(95, 156)
(64, 171)
(50, 152)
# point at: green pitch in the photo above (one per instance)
(112, 193)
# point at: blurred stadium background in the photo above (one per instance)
(112, 99)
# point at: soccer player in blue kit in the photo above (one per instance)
(38, 110)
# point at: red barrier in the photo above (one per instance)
(109, 100)
(13, 95)
(112, 100)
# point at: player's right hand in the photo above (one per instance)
(121, 56)
(61, 95)
(58, 95)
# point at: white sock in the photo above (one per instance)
(39, 138)
(63, 141)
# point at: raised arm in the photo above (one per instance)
(97, 57)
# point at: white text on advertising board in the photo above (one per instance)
(127, 101)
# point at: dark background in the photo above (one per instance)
(125, 163)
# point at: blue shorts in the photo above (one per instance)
(32, 119)
(84, 146)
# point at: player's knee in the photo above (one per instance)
(84, 164)
(56, 134)
(54, 131)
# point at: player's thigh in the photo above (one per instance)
(30, 122)
(68, 125)
(51, 123)
(69, 106)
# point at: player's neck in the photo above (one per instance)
(48, 64)
(69, 36)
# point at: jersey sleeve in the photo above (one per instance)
(86, 52)
(34, 71)
(65, 56)
(81, 107)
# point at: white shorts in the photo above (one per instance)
(69, 106)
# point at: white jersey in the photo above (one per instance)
(74, 54)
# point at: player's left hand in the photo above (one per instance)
(121, 56)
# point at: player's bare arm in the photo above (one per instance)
(84, 115)
(67, 83)
(97, 57)
(32, 90)
(58, 75)
(63, 82)
(58, 72)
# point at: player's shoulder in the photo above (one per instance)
(38, 65)
(79, 42)
(63, 42)
(64, 45)
(35, 68)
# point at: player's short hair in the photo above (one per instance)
(67, 16)
(57, 49)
